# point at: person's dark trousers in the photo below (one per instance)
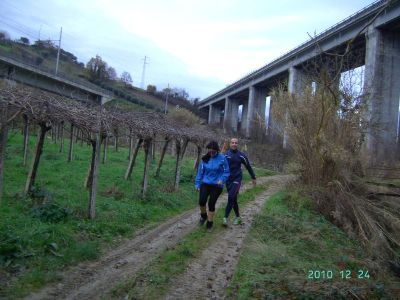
(233, 190)
(211, 193)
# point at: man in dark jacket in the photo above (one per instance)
(235, 159)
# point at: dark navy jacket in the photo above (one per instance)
(236, 159)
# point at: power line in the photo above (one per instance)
(18, 29)
(58, 52)
(166, 101)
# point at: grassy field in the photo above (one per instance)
(125, 105)
(293, 253)
(43, 234)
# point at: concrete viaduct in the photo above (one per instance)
(16, 71)
(376, 30)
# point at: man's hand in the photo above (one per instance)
(197, 189)
(254, 181)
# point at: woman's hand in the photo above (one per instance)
(220, 183)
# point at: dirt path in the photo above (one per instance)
(94, 280)
(208, 276)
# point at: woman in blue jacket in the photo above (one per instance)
(211, 177)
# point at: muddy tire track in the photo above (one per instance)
(207, 276)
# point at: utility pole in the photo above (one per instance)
(143, 72)
(166, 101)
(40, 29)
(58, 52)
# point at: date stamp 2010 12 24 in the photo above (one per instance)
(342, 274)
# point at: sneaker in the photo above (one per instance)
(202, 221)
(209, 226)
(225, 222)
(237, 221)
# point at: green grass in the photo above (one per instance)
(140, 94)
(38, 240)
(288, 243)
(260, 172)
(156, 279)
(125, 105)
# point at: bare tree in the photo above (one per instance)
(126, 78)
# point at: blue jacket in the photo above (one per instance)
(236, 159)
(211, 172)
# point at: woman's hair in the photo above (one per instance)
(211, 145)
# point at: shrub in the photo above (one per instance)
(50, 212)
(41, 205)
(11, 248)
(39, 195)
(114, 192)
(184, 117)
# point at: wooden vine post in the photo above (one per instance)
(80, 133)
(53, 134)
(116, 141)
(173, 148)
(3, 142)
(148, 144)
(77, 132)
(153, 150)
(181, 146)
(197, 161)
(91, 181)
(61, 137)
(26, 138)
(71, 143)
(133, 159)
(36, 159)
(130, 144)
(164, 149)
(105, 146)
(96, 145)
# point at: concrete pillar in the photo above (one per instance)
(210, 114)
(274, 129)
(217, 114)
(250, 110)
(243, 127)
(255, 106)
(260, 102)
(227, 114)
(382, 87)
(214, 114)
(231, 114)
(234, 114)
(296, 84)
(293, 82)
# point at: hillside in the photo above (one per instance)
(43, 54)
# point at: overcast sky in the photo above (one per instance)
(201, 46)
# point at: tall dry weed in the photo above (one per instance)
(325, 127)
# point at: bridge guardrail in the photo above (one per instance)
(366, 10)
